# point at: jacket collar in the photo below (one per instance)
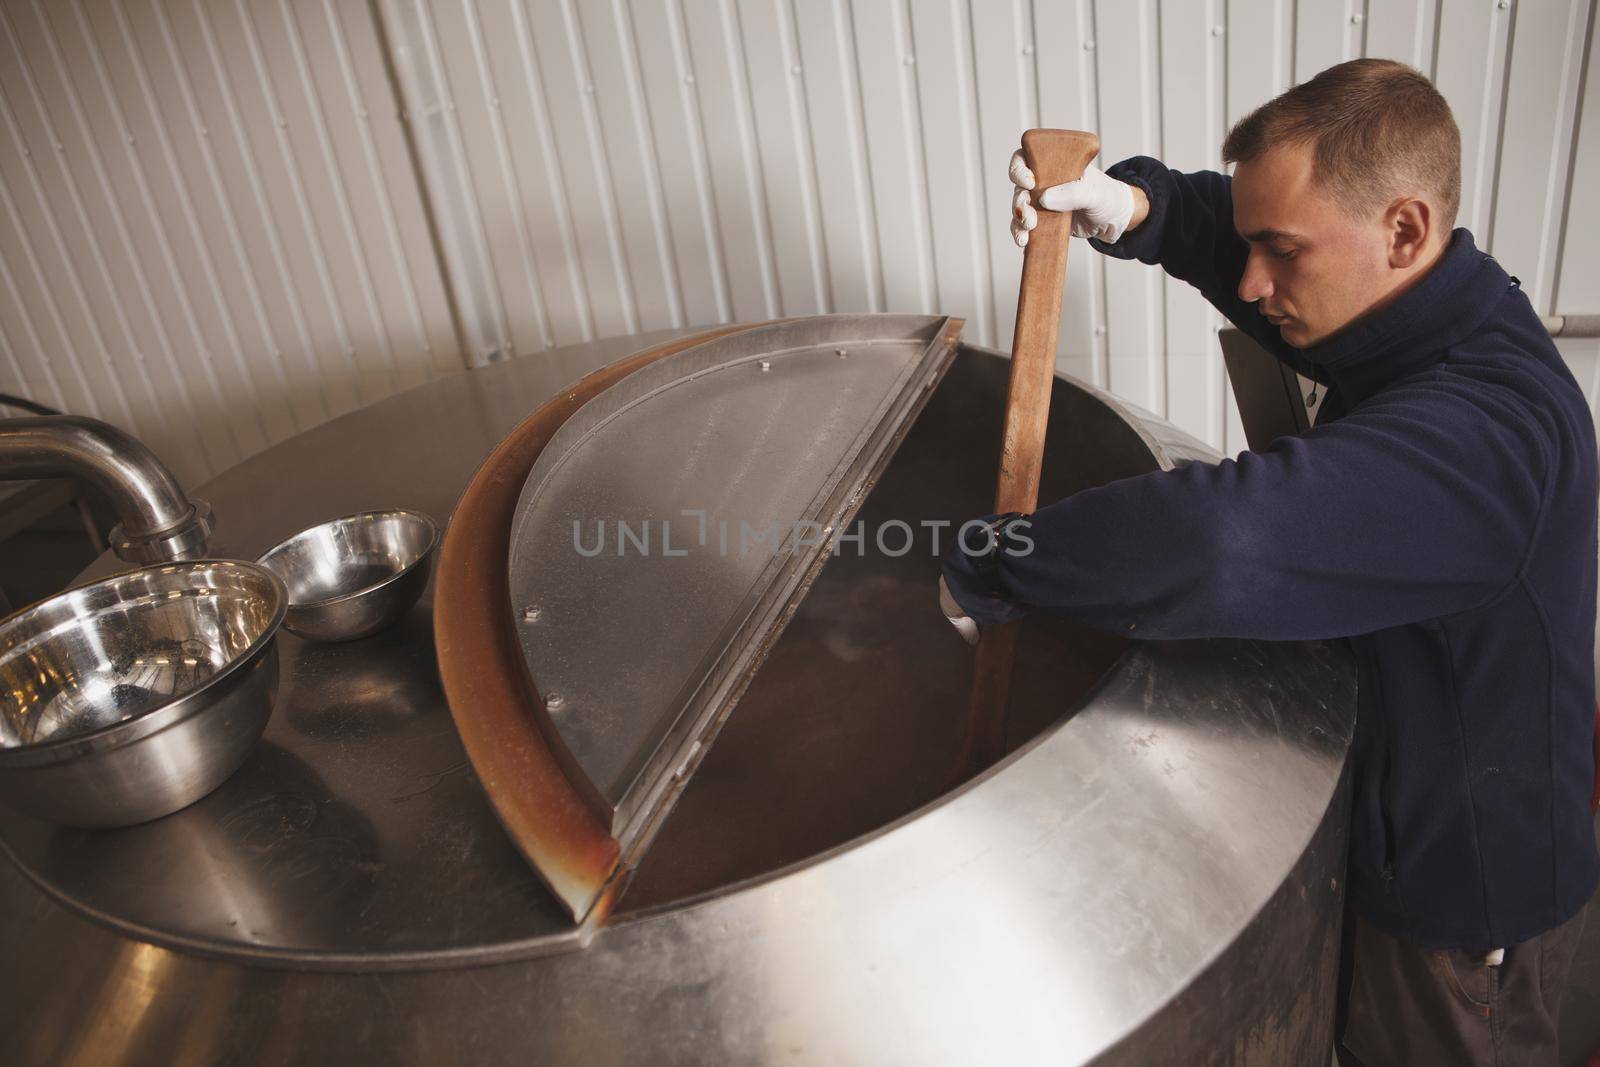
(1411, 334)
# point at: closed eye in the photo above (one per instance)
(1264, 238)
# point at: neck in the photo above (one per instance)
(1446, 296)
(1413, 275)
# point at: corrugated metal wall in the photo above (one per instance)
(209, 229)
(229, 242)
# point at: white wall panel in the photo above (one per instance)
(783, 140)
(1536, 142)
(1007, 101)
(587, 171)
(209, 231)
(1192, 64)
(720, 82)
(61, 242)
(1326, 33)
(212, 229)
(1470, 71)
(1127, 50)
(1577, 276)
(1069, 98)
(831, 83)
(885, 63)
(1260, 65)
(1577, 285)
(1400, 29)
(669, 90)
(961, 215)
(494, 262)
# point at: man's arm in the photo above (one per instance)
(1141, 207)
(1416, 505)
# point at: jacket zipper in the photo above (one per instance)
(1384, 816)
(1391, 883)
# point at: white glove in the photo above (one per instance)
(964, 624)
(1101, 206)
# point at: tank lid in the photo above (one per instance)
(668, 529)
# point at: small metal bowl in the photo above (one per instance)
(126, 699)
(352, 577)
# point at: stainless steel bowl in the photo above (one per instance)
(352, 577)
(129, 698)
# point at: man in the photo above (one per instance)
(1441, 515)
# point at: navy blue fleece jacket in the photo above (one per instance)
(1441, 515)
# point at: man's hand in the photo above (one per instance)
(965, 625)
(967, 598)
(1102, 207)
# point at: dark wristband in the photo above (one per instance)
(986, 556)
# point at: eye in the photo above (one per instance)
(1284, 254)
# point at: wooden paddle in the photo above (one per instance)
(1054, 156)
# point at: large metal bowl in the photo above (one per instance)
(353, 576)
(129, 698)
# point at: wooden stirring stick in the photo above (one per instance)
(1054, 156)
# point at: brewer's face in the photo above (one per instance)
(1313, 269)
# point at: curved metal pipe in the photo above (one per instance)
(158, 521)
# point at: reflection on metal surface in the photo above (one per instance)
(156, 520)
(1149, 880)
(356, 831)
(121, 1005)
(387, 684)
(1027, 912)
(126, 699)
(247, 860)
(350, 577)
(106, 653)
(646, 647)
(118, 689)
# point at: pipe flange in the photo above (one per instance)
(183, 540)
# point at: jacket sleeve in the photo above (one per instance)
(1417, 504)
(1189, 233)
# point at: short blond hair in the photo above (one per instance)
(1379, 129)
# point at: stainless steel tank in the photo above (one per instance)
(1153, 875)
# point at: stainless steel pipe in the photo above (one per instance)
(158, 521)
(1572, 325)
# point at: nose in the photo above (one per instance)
(1257, 282)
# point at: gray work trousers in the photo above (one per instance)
(1405, 1005)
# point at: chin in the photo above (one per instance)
(1298, 335)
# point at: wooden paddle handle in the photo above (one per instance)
(1054, 156)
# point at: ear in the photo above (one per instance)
(1410, 225)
